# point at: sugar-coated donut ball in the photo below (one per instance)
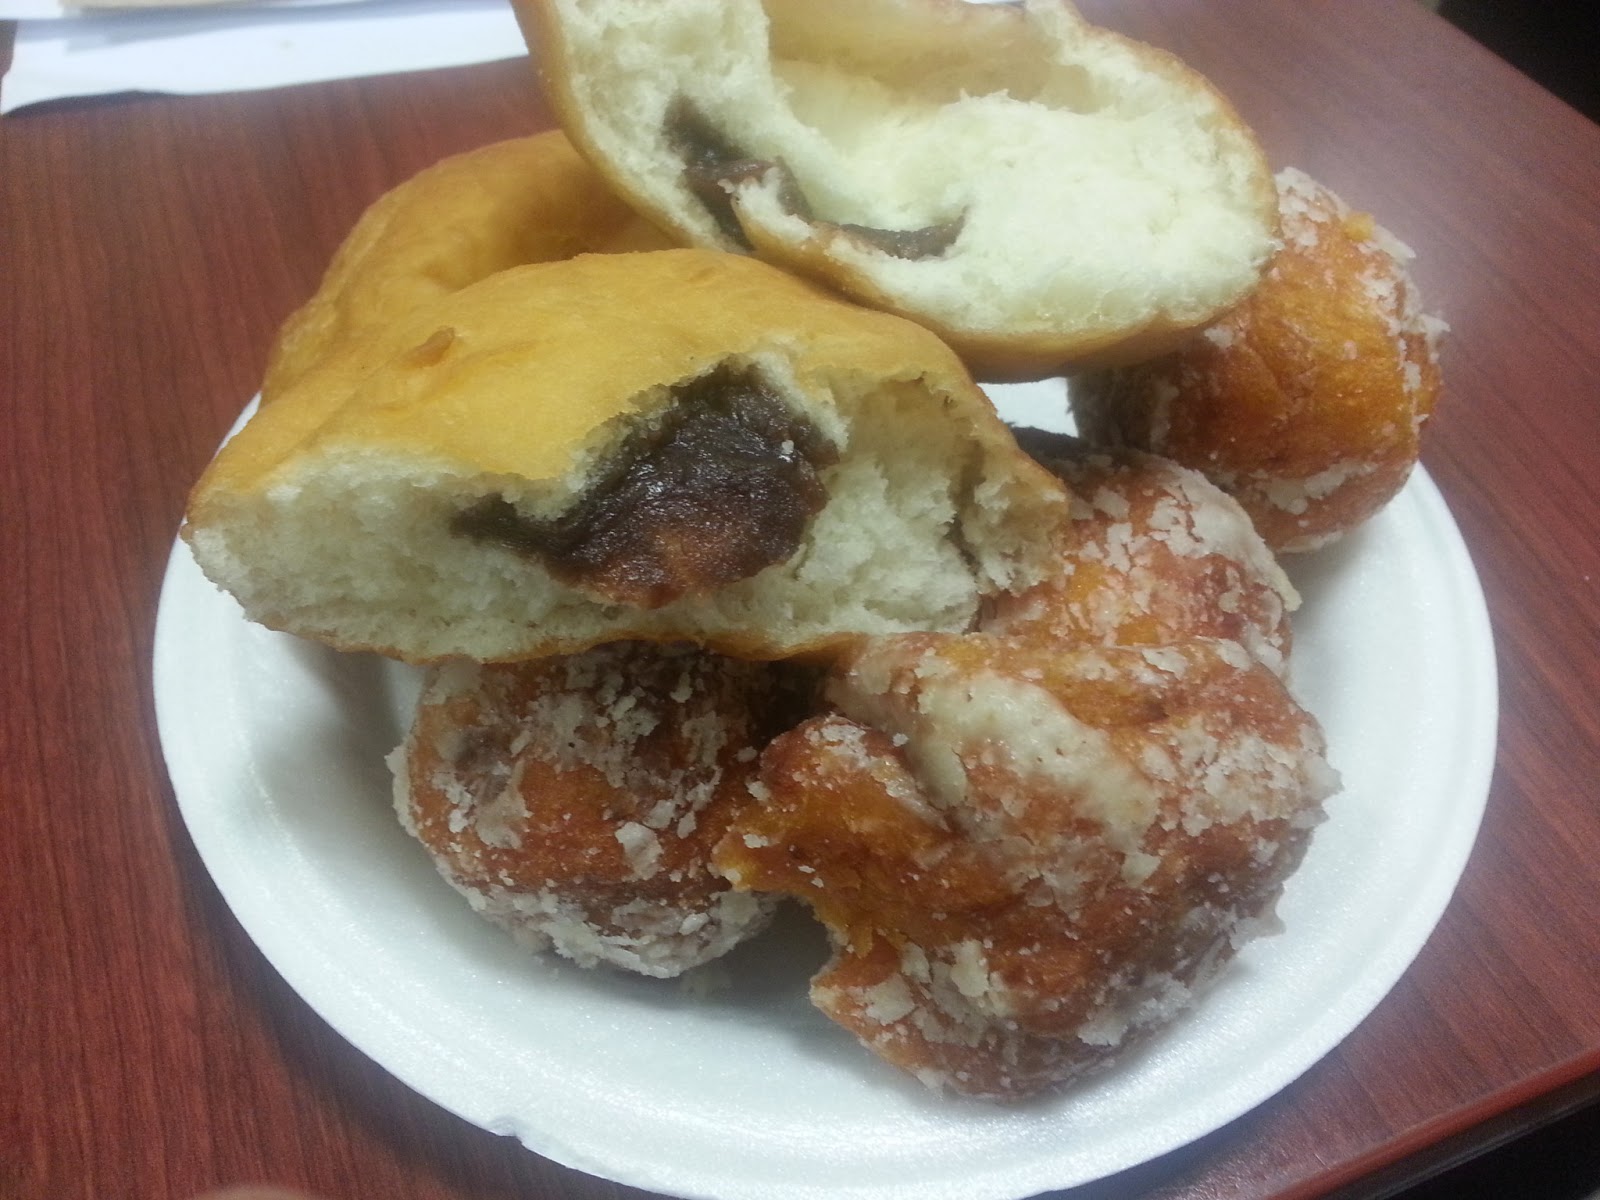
(1028, 862)
(575, 800)
(1153, 553)
(1307, 402)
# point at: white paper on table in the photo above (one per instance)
(196, 51)
(38, 10)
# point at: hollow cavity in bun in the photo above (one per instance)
(1035, 189)
(675, 445)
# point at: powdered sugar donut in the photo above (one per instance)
(575, 800)
(1153, 553)
(1028, 862)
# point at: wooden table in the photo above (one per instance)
(150, 246)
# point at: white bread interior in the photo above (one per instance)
(1108, 197)
(330, 514)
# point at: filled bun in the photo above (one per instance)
(527, 200)
(1034, 189)
(677, 445)
(1307, 402)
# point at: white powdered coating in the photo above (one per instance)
(1112, 503)
(600, 713)
(955, 719)
(1135, 1005)
(650, 938)
(1166, 395)
(888, 1001)
(1042, 742)
(1302, 206)
(969, 970)
(1182, 551)
(499, 819)
(962, 999)
(1296, 495)
(1387, 283)
(642, 847)
(1219, 526)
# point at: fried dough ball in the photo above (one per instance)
(575, 800)
(1308, 401)
(1154, 553)
(1028, 862)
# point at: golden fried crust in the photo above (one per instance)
(1027, 861)
(1154, 554)
(526, 200)
(575, 800)
(450, 382)
(1306, 403)
(464, 481)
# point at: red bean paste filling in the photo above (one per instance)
(722, 485)
(713, 163)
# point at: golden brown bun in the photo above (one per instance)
(575, 800)
(1307, 402)
(441, 487)
(526, 200)
(1028, 861)
(1061, 193)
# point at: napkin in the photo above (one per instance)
(61, 52)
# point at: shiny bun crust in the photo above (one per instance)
(526, 200)
(1034, 189)
(674, 445)
(1307, 402)
(575, 800)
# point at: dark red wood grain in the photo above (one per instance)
(148, 248)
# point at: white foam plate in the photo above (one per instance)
(741, 1091)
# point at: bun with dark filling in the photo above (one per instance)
(677, 445)
(1033, 188)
